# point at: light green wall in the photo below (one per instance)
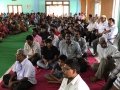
(27, 5)
(42, 5)
(75, 6)
(35, 5)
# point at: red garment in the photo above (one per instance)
(57, 33)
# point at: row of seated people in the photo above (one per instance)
(102, 34)
(22, 76)
(49, 55)
(64, 66)
(12, 25)
(101, 27)
(71, 44)
(15, 23)
(109, 35)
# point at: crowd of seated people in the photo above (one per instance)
(16, 23)
(60, 44)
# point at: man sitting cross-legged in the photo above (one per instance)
(23, 75)
(56, 74)
(105, 51)
(32, 49)
(50, 54)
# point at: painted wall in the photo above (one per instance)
(28, 6)
(90, 7)
(36, 5)
(75, 6)
(41, 5)
(107, 7)
(83, 6)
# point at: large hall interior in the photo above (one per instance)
(59, 45)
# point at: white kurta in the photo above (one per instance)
(76, 84)
(25, 69)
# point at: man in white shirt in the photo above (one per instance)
(82, 43)
(69, 47)
(101, 26)
(106, 64)
(91, 33)
(23, 76)
(111, 30)
(72, 80)
(53, 37)
(32, 49)
(113, 80)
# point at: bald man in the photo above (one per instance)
(105, 51)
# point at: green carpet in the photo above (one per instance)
(8, 49)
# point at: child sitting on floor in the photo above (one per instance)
(56, 74)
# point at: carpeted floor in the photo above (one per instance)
(44, 85)
(8, 49)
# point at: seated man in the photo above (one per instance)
(56, 74)
(50, 54)
(23, 75)
(110, 32)
(37, 37)
(69, 47)
(113, 81)
(106, 64)
(82, 43)
(72, 80)
(32, 49)
(116, 84)
(53, 37)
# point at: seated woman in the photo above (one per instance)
(1, 36)
(49, 55)
(23, 28)
(15, 27)
(5, 29)
(2, 33)
(56, 74)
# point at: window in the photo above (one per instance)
(48, 2)
(66, 2)
(10, 9)
(98, 8)
(59, 8)
(14, 9)
(20, 9)
(115, 12)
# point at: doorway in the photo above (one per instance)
(57, 8)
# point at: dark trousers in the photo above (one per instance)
(109, 84)
(119, 44)
(95, 43)
(34, 59)
(23, 85)
(90, 36)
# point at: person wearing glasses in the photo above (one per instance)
(72, 80)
